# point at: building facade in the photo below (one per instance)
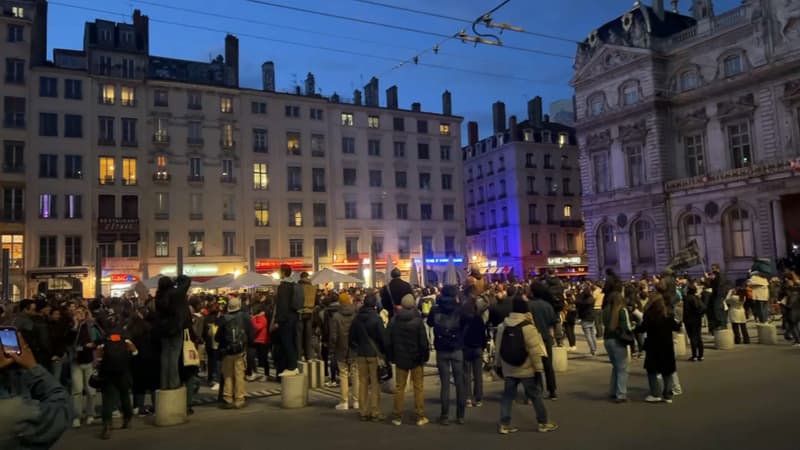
(688, 126)
(522, 191)
(115, 152)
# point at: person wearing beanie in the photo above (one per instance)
(235, 334)
(449, 325)
(339, 343)
(393, 292)
(520, 331)
(368, 343)
(408, 349)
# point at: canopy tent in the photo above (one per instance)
(252, 280)
(152, 282)
(220, 282)
(450, 276)
(326, 276)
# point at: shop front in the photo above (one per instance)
(565, 266)
(119, 275)
(273, 266)
(199, 273)
(64, 282)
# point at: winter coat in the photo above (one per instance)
(285, 305)
(693, 309)
(474, 336)
(226, 320)
(659, 347)
(446, 306)
(407, 343)
(760, 287)
(545, 318)
(173, 308)
(367, 334)
(261, 336)
(309, 296)
(340, 332)
(584, 305)
(393, 293)
(499, 311)
(533, 344)
(736, 313)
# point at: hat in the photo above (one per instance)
(235, 304)
(408, 302)
(395, 273)
(345, 299)
(519, 305)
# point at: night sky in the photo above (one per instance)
(267, 33)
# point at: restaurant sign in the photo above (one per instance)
(564, 261)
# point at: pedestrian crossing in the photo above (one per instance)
(202, 399)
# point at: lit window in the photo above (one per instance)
(527, 135)
(567, 211)
(295, 214)
(226, 104)
(162, 243)
(444, 129)
(293, 143)
(227, 135)
(107, 94)
(106, 164)
(14, 244)
(47, 206)
(18, 11)
(261, 209)
(161, 167)
(372, 121)
(347, 119)
(196, 243)
(260, 177)
(128, 171)
(127, 96)
(563, 138)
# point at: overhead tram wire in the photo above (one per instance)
(397, 27)
(315, 47)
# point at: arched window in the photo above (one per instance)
(688, 80)
(597, 104)
(629, 93)
(607, 244)
(643, 242)
(691, 229)
(737, 226)
(732, 65)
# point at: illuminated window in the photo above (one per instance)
(14, 244)
(444, 129)
(295, 214)
(347, 119)
(73, 206)
(196, 239)
(293, 143)
(567, 211)
(261, 209)
(128, 171)
(107, 94)
(226, 104)
(162, 130)
(47, 206)
(295, 248)
(106, 166)
(260, 177)
(162, 243)
(127, 96)
(563, 139)
(162, 205)
(227, 135)
(18, 11)
(161, 167)
(372, 122)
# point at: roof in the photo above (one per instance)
(210, 73)
(672, 23)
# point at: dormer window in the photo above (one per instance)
(127, 37)
(528, 135)
(546, 138)
(732, 65)
(630, 94)
(597, 105)
(105, 35)
(688, 80)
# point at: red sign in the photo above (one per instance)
(269, 265)
(123, 278)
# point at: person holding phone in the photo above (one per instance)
(37, 414)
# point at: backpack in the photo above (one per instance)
(447, 329)
(427, 304)
(235, 336)
(116, 355)
(512, 349)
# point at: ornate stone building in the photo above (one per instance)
(688, 126)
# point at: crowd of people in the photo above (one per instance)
(127, 348)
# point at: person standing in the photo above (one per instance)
(305, 329)
(545, 318)
(234, 335)
(448, 325)
(368, 344)
(718, 320)
(261, 337)
(693, 312)
(475, 339)
(85, 335)
(617, 326)
(115, 370)
(599, 301)
(521, 358)
(408, 348)
(584, 305)
(759, 285)
(393, 293)
(736, 313)
(659, 324)
(173, 310)
(286, 317)
(341, 322)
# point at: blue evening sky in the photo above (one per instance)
(517, 75)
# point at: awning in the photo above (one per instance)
(77, 272)
(106, 237)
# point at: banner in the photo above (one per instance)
(688, 256)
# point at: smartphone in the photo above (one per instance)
(9, 340)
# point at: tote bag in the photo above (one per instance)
(191, 358)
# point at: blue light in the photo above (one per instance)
(439, 261)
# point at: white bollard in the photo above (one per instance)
(723, 339)
(679, 341)
(767, 334)
(559, 359)
(170, 407)
(294, 391)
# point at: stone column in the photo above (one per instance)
(714, 245)
(716, 159)
(778, 231)
(624, 252)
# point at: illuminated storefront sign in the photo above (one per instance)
(191, 269)
(120, 278)
(440, 261)
(269, 265)
(564, 261)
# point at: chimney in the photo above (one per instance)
(416, 107)
(310, 84)
(535, 111)
(298, 91)
(357, 97)
(268, 76)
(39, 34)
(547, 118)
(447, 103)
(371, 93)
(499, 117)
(472, 133)
(512, 128)
(658, 9)
(391, 97)
(335, 98)
(232, 56)
(141, 24)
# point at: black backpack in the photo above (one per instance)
(447, 330)
(234, 335)
(116, 355)
(513, 350)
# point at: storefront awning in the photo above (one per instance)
(77, 272)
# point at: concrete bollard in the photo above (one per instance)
(170, 407)
(294, 391)
(723, 339)
(559, 359)
(679, 341)
(767, 334)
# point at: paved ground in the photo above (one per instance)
(743, 398)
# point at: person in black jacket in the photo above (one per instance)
(368, 343)
(693, 311)
(584, 305)
(286, 317)
(408, 349)
(447, 321)
(475, 339)
(173, 317)
(144, 371)
(545, 319)
(393, 293)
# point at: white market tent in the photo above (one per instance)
(220, 282)
(252, 280)
(152, 282)
(326, 276)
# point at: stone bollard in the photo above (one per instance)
(679, 341)
(170, 407)
(294, 391)
(767, 334)
(311, 370)
(560, 359)
(723, 339)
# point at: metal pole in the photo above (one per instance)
(252, 259)
(315, 265)
(6, 266)
(179, 270)
(98, 274)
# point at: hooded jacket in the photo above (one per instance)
(285, 305)
(173, 307)
(407, 344)
(447, 314)
(367, 326)
(533, 344)
(340, 332)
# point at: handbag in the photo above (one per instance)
(384, 368)
(626, 336)
(191, 358)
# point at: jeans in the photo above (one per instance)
(447, 362)
(569, 330)
(740, 334)
(250, 367)
(549, 373)
(401, 377)
(652, 379)
(304, 339)
(761, 311)
(116, 391)
(369, 388)
(213, 364)
(473, 378)
(695, 332)
(287, 339)
(262, 353)
(618, 355)
(83, 395)
(591, 337)
(171, 348)
(233, 379)
(598, 323)
(533, 391)
(192, 384)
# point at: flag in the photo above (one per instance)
(688, 256)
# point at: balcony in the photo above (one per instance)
(161, 216)
(227, 144)
(530, 166)
(261, 223)
(107, 181)
(314, 153)
(106, 141)
(161, 138)
(572, 223)
(549, 166)
(227, 179)
(128, 102)
(161, 178)
(729, 176)
(228, 216)
(129, 182)
(195, 216)
(196, 179)
(129, 143)
(14, 169)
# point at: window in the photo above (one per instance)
(318, 145)
(14, 244)
(228, 243)
(226, 104)
(262, 248)
(630, 94)
(161, 98)
(194, 100)
(127, 64)
(535, 243)
(597, 105)
(48, 166)
(563, 140)
(688, 80)
(196, 239)
(739, 144)
(105, 130)
(400, 180)
(130, 249)
(260, 177)
(127, 96)
(607, 243)
(374, 122)
(351, 248)
(47, 251)
(72, 251)
(48, 87)
(161, 241)
(374, 147)
(399, 149)
(107, 94)
(48, 124)
(551, 213)
(422, 126)
(195, 169)
(227, 135)
(376, 211)
(565, 182)
(349, 176)
(503, 192)
(293, 143)
(444, 129)
(348, 145)
(531, 185)
(447, 182)
(402, 211)
(548, 162)
(480, 195)
(377, 247)
(195, 136)
(449, 212)
(529, 162)
(427, 246)
(732, 65)
(375, 178)
(532, 213)
(695, 155)
(261, 209)
(47, 206)
(295, 214)
(553, 242)
(347, 119)
(567, 211)
(128, 171)
(691, 229)
(320, 211)
(73, 89)
(15, 33)
(636, 175)
(106, 206)
(162, 205)
(13, 156)
(104, 66)
(227, 171)
(260, 140)
(423, 151)
(259, 107)
(107, 250)
(738, 228)
(130, 206)
(12, 204)
(73, 206)
(295, 248)
(291, 111)
(106, 172)
(601, 173)
(294, 179)
(350, 210)
(425, 181)
(643, 242)
(321, 247)
(128, 131)
(444, 152)
(161, 134)
(315, 114)
(425, 211)
(399, 124)
(318, 179)
(162, 172)
(15, 71)
(404, 246)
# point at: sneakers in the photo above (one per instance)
(460, 421)
(506, 429)
(76, 422)
(547, 427)
(378, 418)
(573, 348)
(552, 397)
(693, 359)
(251, 377)
(478, 404)
(397, 421)
(89, 420)
(700, 358)
(668, 401)
(355, 405)
(653, 399)
(215, 387)
(422, 421)
(342, 406)
(469, 403)
(116, 414)
(676, 392)
(444, 421)
(289, 373)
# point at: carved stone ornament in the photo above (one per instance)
(639, 36)
(627, 21)
(694, 119)
(791, 90)
(787, 16)
(622, 220)
(594, 38)
(635, 131)
(711, 209)
(744, 105)
(599, 140)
